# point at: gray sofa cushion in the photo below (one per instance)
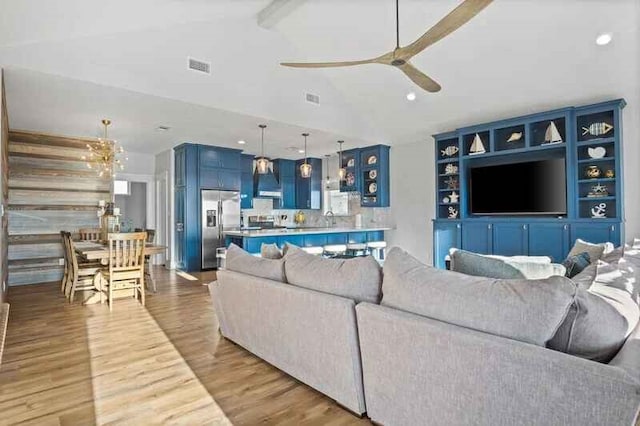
(470, 263)
(270, 251)
(586, 277)
(526, 310)
(240, 261)
(595, 250)
(358, 279)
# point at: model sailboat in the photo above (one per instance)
(477, 147)
(552, 135)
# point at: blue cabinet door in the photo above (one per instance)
(219, 157)
(357, 237)
(447, 235)
(309, 190)
(296, 240)
(596, 232)
(246, 191)
(253, 245)
(229, 180)
(375, 236)
(288, 185)
(338, 238)
(476, 237)
(549, 239)
(315, 240)
(510, 239)
(180, 245)
(209, 178)
(180, 166)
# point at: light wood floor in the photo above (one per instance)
(72, 364)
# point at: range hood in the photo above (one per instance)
(266, 185)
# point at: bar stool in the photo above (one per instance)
(357, 249)
(315, 250)
(335, 249)
(377, 249)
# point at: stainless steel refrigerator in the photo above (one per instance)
(220, 212)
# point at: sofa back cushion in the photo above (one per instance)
(603, 314)
(470, 263)
(359, 278)
(526, 310)
(239, 260)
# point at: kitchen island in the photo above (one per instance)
(251, 240)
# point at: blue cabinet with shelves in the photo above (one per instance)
(588, 138)
(309, 190)
(368, 173)
(446, 235)
(351, 163)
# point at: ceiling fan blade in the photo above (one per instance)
(327, 64)
(419, 78)
(454, 20)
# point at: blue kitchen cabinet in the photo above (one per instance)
(253, 245)
(309, 190)
(375, 236)
(351, 162)
(549, 239)
(296, 240)
(187, 208)
(315, 240)
(477, 237)
(246, 181)
(179, 201)
(338, 238)
(218, 157)
(510, 239)
(374, 176)
(180, 167)
(227, 180)
(357, 237)
(285, 173)
(447, 235)
(596, 232)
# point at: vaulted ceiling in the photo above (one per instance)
(71, 62)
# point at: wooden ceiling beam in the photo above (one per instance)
(276, 11)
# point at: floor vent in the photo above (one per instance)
(4, 320)
(199, 66)
(313, 99)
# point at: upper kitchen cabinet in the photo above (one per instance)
(351, 163)
(285, 173)
(374, 176)
(309, 190)
(219, 168)
(219, 158)
(246, 181)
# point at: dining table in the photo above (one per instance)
(95, 250)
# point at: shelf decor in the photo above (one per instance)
(552, 135)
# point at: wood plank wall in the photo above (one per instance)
(50, 189)
(4, 191)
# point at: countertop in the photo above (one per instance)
(299, 231)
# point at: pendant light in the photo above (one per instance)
(342, 172)
(262, 164)
(305, 168)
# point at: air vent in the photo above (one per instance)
(164, 128)
(199, 66)
(313, 99)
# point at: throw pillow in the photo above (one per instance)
(595, 250)
(585, 278)
(470, 263)
(240, 261)
(359, 278)
(576, 264)
(270, 251)
(526, 310)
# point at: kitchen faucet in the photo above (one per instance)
(329, 217)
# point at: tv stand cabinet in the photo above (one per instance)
(533, 235)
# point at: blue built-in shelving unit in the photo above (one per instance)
(535, 235)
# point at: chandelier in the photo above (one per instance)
(103, 155)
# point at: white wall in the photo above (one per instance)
(413, 187)
(139, 163)
(163, 171)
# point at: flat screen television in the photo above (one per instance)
(519, 189)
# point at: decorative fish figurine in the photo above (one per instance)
(449, 151)
(515, 136)
(597, 129)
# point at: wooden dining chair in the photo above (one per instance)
(151, 235)
(81, 274)
(90, 234)
(67, 261)
(126, 264)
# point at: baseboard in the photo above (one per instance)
(4, 320)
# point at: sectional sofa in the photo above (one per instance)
(426, 346)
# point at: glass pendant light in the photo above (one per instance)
(262, 164)
(305, 168)
(342, 172)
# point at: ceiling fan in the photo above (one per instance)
(400, 56)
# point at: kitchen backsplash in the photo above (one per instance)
(371, 217)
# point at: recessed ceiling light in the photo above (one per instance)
(604, 39)
(301, 151)
(241, 142)
(411, 96)
(163, 128)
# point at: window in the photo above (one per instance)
(121, 187)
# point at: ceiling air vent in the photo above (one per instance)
(199, 66)
(313, 99)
